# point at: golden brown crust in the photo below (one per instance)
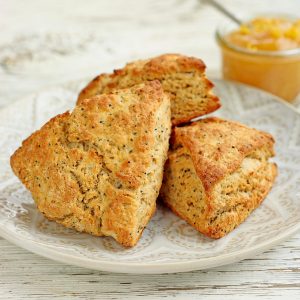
(194, 98)
(242, 208)
(218, 146)
(99, 168)
(224, 225)
(157, 66)
(217, 173)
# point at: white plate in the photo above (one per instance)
(168, 243)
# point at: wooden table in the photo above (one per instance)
(43, 43)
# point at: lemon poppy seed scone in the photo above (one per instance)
(217, 173)
(182, 77)
(99, 168)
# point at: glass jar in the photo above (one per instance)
(277, 72)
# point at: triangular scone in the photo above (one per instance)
(217, 173)
(99, 169)
(182, 77)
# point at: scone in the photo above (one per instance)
(182, 77)
(217, 173)
(99, 168)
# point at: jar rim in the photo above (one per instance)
(277, 53)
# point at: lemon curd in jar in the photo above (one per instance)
(264, 52)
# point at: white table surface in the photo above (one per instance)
(43, 43)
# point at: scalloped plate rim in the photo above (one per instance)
(153, 268)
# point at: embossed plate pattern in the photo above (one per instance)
(168, 243)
